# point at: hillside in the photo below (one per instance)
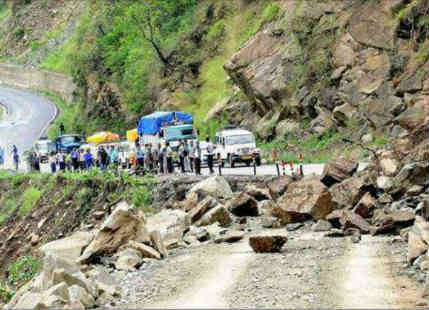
(302, 74)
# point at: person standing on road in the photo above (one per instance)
(182, 151)
(161, 155)
(104, 158)
(169, 155)
(53, 162)
(15, 157)
(81, 160)
(1, 157)
(192, 155)
(62, 160)
(197, 158)
(88, 160)
(210, 154)
(75, 160)
(140, 157)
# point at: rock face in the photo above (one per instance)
(216, 187)
(337, 171)
(267, 244)
(305, 198)
(121, 226)
(243, 205)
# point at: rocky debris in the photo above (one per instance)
(335, 232)
(144, 250)
(321, 225)
(347, 193)
(270, 222)
(366, 206)
(278, 186)
(418, 239)
(388, 163)
(218, 214)
(243, 205)
(34, 239)
(230, 236)
(294, 226)
(207, 204)
(259, 194)
(98, 215)
(304, 199)
(69, 248)
(267, 244)
(122, 226)
(337, 171)
(216, 186)
(171, 224)
(158, 244)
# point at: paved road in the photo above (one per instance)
(27, 117)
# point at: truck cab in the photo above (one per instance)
(43, 147)
(234, 145)
(68, 142)
(175, 134)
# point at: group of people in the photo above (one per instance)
(160, 158)
(15, 157)
(82, 160)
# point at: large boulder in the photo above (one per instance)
(411, 174)
(69, 248)
(337, 171)
(128, 260)
(216, 187)
(79, 296)
(196, 213)
(418, 239)
(170, 223)
(366, 206)
(243, 205)
(308, 197)
(144, 250)
(347, 193)
(259, 194)
(267, 244)
(158, 244)
(122, 226)
(278, 186)
(218, 214)
(346, 219)
(389, 163)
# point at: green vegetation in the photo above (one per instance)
(4, 11)
(20, 271)
(29, 199)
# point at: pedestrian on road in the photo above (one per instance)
(182, 156)
(88, 159)
(62, 160)
(82, 160)
(15, 157)
(36, 162)
(192, 155)
(161, 154)
(149, 157)
(140, 157)
(75, 159)
(62, 129)
(69, 162)
(104, 158)
(210, 154)
(53, 162)
(169, 155)
(197, 158)
(1, 157)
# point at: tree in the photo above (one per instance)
(151, 17)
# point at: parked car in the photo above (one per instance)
(235, 145)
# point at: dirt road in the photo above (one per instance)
(312, 272)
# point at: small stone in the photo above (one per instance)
(294, 226)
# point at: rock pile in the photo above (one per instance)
(73, 276)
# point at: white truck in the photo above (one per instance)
(234, 145)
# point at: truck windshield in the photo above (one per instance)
(70, 140)
(240, 139)
(45, 147)
(180, 133)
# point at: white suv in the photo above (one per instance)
(235, 145)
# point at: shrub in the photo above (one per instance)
(24, 269)
(29, 199)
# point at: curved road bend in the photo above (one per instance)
(27, 118)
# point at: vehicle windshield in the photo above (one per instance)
(70, 140)
(240, 139)
(45, 147)
(180, 133)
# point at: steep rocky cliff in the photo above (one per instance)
(278, 67)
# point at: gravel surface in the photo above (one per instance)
(312, 271)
